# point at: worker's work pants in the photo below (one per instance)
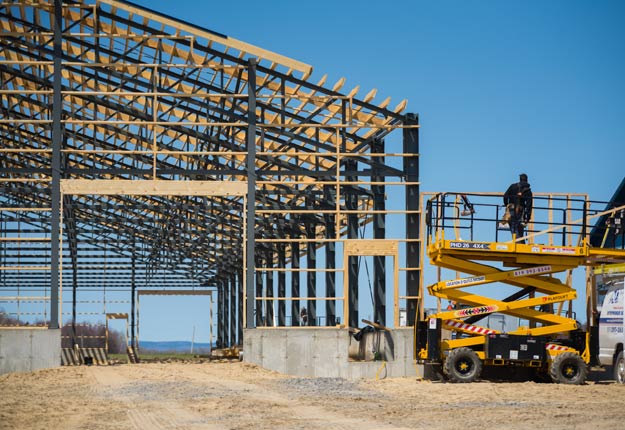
(518, 228)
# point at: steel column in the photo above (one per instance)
(55, 184)
(295, 294)
(330, 256)
(233, 310)
(239, 282)
(227, 316)
(411, 172)
(311, 275)
(220, 315)
(269, 288)
(260, 304)
(251, 192)
(74, 301)
(133, 293)
(281, 285)
(351, 203)
(379, 232)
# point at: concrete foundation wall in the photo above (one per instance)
(330, 352)
(25, 350)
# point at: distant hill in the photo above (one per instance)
(174, 346)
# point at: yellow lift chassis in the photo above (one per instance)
(552, 343)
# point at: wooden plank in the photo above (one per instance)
(376, 325)
(152, 187)
(116, 316)
(368, 247)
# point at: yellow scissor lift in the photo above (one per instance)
(552, 343)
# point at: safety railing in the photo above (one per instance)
(556, 218)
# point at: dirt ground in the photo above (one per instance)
(159, 396)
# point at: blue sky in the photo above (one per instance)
(500, 87)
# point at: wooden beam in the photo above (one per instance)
(227, 41)
(174, 292)
(152, 188)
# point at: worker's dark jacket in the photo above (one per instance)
(520, 195)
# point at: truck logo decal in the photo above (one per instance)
(556, 298)
(614, 299)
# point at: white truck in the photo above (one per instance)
(611, 333)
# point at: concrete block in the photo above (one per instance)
(324, 352)
(299, 360)
(274, 350)
(326, 359)
(252, 346)
(25, 350)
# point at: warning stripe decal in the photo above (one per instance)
(480, 310)
(468, 327)
(554, 347)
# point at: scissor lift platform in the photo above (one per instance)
(540, 300)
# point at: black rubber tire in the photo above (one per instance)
(568, 368)
(462, 365)
(619, 368)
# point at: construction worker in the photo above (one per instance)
(518, 198)
(468, 206)
(303, 316)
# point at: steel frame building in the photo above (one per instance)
(138, 151)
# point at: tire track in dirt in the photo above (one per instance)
(308, 416)
(155, 415)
